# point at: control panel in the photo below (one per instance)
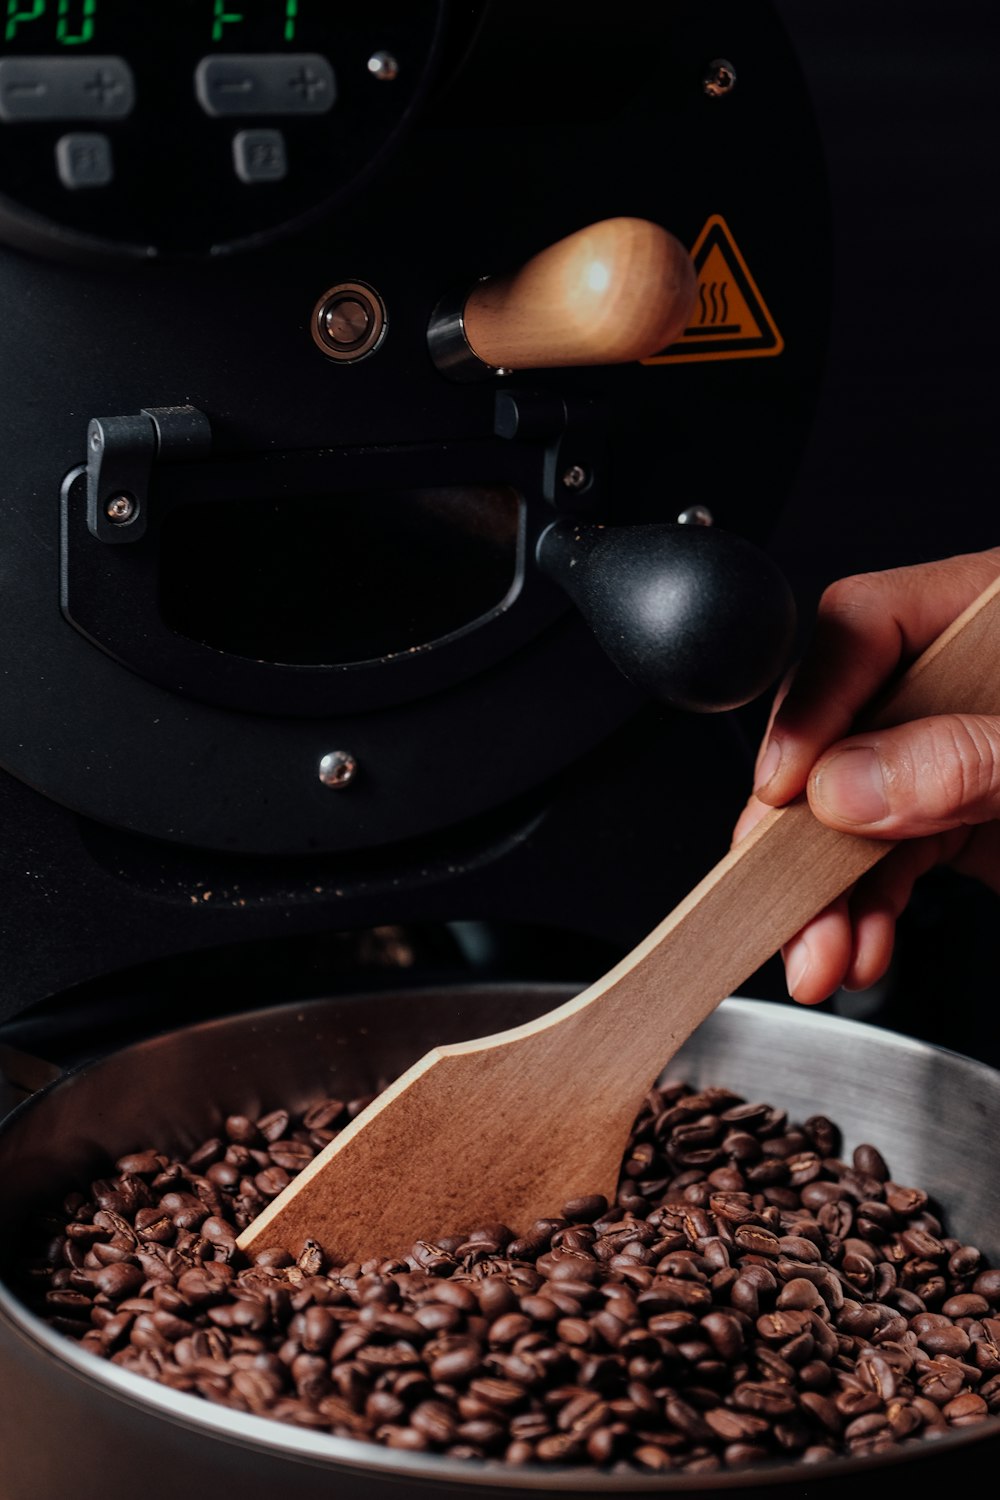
(197, 126)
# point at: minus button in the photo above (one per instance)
(263, 83)
(65, 88)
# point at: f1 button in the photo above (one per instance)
(83, 160)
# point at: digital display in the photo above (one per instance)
(195, 124)
(41, 25)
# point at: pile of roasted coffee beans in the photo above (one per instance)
(749, 1296)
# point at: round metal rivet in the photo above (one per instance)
(338, 768)
(383, 66)
(696, 515)
(575, 477)
(719, 79)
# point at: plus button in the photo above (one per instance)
(104, 87)
(307, 84)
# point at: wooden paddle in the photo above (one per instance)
(509, 1127)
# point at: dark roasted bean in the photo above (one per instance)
(798, 1294)
(585, 1209)
(987, 1284)
(324, 1114)
(904, 1201)
(241, 1130)
(869, 1161)
(965, 1305)
(742, 1256)
(291, 1155)
(725, 1331)
(965, 1409)
(766, 1398)
(118, 1281)
(735, 1426)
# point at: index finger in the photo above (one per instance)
(866, 628)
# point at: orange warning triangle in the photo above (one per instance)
(730, 319)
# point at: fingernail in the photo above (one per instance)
(851, 786)
(796, 964)
(770, 761)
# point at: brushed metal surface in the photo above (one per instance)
(69, 1421)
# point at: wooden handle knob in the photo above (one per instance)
(616, 291)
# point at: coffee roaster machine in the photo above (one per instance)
(297, 700)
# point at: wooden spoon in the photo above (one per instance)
(508, 1127)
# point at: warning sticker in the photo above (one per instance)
(730, 319)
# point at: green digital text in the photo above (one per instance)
(19, 14)
(75, 19)
(75, 23)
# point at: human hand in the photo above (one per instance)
(933, 784)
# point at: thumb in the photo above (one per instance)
(920, 778)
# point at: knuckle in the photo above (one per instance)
(963, 763)
(977, 753)
(849, 598)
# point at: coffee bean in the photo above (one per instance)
(650, 1456)
(460, 1358)
(918, 1243)
(560, 1265)
(987, 1285)
(576, 1332)
(241, 1130)
(271, 1181)
(742, 1256)
(905, 1201)
(799, 1293)
(291, 1155)
(754, 1239)
(498, 1393)
(585, 1209)
(953, 1341)
(725, 1332)
(562, 1447)
(965, 1410)
(273, 1126)
(778, 1327)
(966, 1305)
(869, 1160)
(118, 1281)
(325, 1114)
(185, 1209)
(684, 1417)
(735, 1426)
(766, 1398)
(141, 1164)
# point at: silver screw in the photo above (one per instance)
(696, 515)
(383, 66)
(338, 768)
(719, 79)
(575, 477)
(120, 508)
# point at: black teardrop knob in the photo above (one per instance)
(696, 616)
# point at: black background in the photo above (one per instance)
(898, 466)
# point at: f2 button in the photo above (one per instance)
(259, 155)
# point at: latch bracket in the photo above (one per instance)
(121, 454)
